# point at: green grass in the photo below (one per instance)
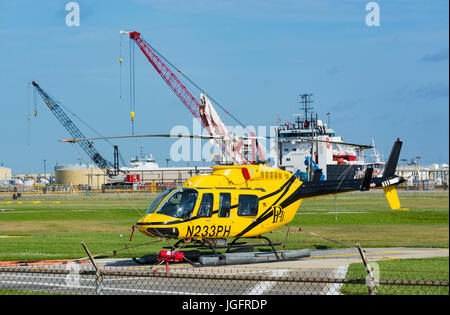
(428, 269)
(25, 292)
(55, 227)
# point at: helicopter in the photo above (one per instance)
(244, 201)
(247, 201)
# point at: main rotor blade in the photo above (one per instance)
(362, 146)
(161, 136)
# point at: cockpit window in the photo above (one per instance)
(180, 204)
(157, 201)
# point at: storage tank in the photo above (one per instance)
(77, 174)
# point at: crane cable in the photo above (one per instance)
(132, 86)
(29, 115)
(120, 74)
(32, 104)
(35, 103)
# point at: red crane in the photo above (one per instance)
(190, 101)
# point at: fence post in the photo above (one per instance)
(370, 283)
(98, 275)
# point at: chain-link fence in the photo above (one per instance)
(84, 279)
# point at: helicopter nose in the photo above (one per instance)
(145, 220)
(149, 227)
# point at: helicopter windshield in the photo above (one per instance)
(180, 204)
(157, 201)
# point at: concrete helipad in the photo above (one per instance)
(323, 258)
(333, 258)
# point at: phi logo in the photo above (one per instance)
(278, 214)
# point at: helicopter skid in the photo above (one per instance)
(236, 253)
(239, 258)
(194, 258)
(234, 246)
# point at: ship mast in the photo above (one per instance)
(305, 100)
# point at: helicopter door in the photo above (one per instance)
(206, 206)
(202, 228)
(208, 224)
(223, 222)
(224, 205)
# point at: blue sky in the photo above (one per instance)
(255, 57)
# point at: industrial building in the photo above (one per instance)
(425, 177)
(5, 173)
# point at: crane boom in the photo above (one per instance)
(76, 133)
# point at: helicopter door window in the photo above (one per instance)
(224, 205)
(206, 206)
(248, 205)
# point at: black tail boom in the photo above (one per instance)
(329, 187)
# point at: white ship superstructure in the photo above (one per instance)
(376, 162)
(140, 163)
(310, 147)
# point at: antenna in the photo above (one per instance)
(305, 100)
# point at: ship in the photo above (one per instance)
(140, 163)
(311, 150)
(376, 163)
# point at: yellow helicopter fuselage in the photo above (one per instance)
(234, 201)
